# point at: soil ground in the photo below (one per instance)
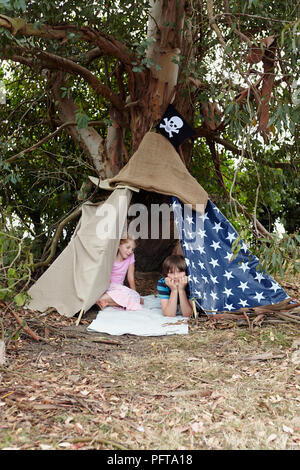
(222, 386)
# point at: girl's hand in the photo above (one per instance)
(171, 284)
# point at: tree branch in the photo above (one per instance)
(204, 132)
(56, 237)
(54, 62)
(217, 164)
(214, 26)
(236, 31)
(257, 225)
(107, 44)
(50, 136)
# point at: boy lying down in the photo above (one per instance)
(173, 290)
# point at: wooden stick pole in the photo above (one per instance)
(194, 309)
(79, 317)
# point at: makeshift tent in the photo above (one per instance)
(81, 273)
(79, 276)
(219, 280)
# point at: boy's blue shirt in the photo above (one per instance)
(164, 291)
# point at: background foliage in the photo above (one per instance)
(246, 166)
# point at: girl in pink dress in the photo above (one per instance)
(117, 294)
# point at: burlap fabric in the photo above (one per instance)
(157, 167)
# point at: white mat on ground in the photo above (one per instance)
(146, 322)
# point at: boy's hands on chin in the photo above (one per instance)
(178, 284)
(182, 283)
(171, 283)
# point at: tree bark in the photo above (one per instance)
(164, 35)
(87, 138)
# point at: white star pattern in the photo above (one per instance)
(243, 286)
(259, 277)
(203, 217)
(175, 205)
(227, 292)
(244, 266)
(275, 286)
(186, 245)
(228, 256)
(231, 237)
(259, 296)
(244, 247)
(214, 262)
(214, 295)
(217, 227)
(201, 265)
(228, 275)
(231, 281)
(229, 307)
(214, 280)
(215, 245)
(202, 233)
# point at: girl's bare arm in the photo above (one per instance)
(130, 276)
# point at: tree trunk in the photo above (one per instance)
(165, 43)
(149, 93)
(87, 138)
(165, 38)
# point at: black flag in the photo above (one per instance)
(174, 127)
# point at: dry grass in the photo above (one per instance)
(211, 389)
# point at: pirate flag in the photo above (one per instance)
(174, 127)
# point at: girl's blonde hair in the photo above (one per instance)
(127, 239)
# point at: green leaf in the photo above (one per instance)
(4, 3)
(137, 69)
(82, 120)
(20, 299)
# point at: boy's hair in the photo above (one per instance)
(172, 262)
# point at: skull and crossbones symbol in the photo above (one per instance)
(172, 125)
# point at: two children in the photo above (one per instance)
(173, 290)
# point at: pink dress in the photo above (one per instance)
(122, 295)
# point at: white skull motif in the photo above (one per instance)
(172, 125)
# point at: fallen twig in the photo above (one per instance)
(285, 310)
(263, 357)
(184, 393)
(26, 328)
(101, 440)
(22, 323)
(105, 341)
(287, 317)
